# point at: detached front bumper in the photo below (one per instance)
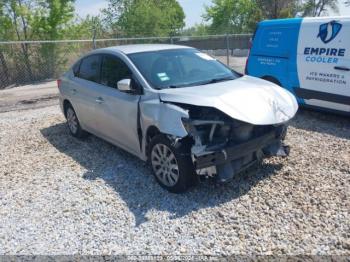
(269, 143)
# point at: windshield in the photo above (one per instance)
(180, 68)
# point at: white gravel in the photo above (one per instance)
(59, 195)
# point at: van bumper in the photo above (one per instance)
(329, 97)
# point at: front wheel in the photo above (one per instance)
(172, 166)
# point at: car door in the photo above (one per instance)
(324, 63)
(83, 90)
(117, 112)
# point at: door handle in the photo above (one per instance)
(343, 68)
(74, 91)
(99, 100)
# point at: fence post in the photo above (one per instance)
(227, 50)
(93, 39)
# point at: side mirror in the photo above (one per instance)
(124, 85)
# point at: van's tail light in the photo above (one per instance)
(59, 82)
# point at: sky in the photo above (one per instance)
(193, 9)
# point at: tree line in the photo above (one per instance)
(28, 20)
(241, 16)
(23, 20)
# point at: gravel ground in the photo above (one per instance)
(59, 195)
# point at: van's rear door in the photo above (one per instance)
(324, 63)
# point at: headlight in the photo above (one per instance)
(225, 130)
(187, 124)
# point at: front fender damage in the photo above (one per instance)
(219, 145)
(166, 117)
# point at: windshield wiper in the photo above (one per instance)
(167, 87)
(216, 80)
(211, 81)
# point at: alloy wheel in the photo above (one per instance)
(72, 121)
(164, 165)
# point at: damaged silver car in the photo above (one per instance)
(178, 108)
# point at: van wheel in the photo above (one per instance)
(272, 80)
(73, 123)
(172, 166)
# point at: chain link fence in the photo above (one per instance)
(29, 62)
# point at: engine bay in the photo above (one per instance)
(229, 145)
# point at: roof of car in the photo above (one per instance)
(131, 49)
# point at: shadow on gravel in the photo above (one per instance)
(322, 122)
(133, 181)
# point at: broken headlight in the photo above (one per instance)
(207, 130)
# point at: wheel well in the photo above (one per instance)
(272, 80)
(66, 103)
(152, 131)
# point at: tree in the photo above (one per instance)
(134, 18)
(273, 9)
(50, 20)
(196, 30)
(347, 3)
(233, 16)
(19, 11)
(5, 34)
(89, 27)
(319, 7)
(35, 20)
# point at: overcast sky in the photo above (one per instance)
(193, 9)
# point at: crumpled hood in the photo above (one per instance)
(249, 99)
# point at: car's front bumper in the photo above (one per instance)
(231, 153)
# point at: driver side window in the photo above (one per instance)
(113, 70)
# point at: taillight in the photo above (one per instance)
(59, 82)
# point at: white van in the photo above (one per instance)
(308, 56)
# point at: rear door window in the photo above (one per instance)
(113, 70)
(90, 68)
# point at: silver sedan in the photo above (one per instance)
(183, 111)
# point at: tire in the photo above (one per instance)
(172, 166)
(73, 123)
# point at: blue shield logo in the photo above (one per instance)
(329, 31)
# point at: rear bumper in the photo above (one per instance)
(238, 151)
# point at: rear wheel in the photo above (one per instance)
(172, 166)
(73, 123)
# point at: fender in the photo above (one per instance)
(166, 117)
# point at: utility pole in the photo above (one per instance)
(227, 50)
(94, 32)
